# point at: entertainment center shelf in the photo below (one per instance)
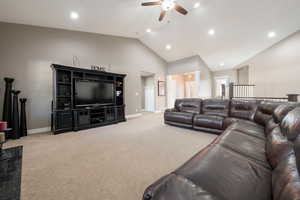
(84, 98)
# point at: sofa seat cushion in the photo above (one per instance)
(231, 120)
(249, 128)
(246, 145)
(228, 175)
(209, 121)
(179, 117)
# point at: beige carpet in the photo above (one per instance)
(115, 162)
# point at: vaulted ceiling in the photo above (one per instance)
(241, 26)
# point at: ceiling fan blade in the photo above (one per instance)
(156, 3)
(162, 15)
(180, 9)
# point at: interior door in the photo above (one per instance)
(149, 99)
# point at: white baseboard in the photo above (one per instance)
(133, 115)
(39, 130)
(158, 111)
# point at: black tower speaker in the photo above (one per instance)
(16, 121)
(23, 123)
(7, 106)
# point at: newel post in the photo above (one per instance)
(223, 91)
(231, 90)
(293, 97)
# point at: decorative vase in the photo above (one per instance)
(15, 116)
(23, 123)
(7, 106)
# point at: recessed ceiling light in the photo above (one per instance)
(211, 32)
(196, 5)
(271, 34)
(222, 64)
(148, 30)
(74, 15)
(168, 47)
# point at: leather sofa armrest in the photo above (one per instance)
(171, 110)
(156, 187)
(228, 121)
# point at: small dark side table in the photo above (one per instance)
(6, 132)
(10, 173)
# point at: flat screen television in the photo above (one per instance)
(88, 92)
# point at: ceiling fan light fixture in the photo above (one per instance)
(168, 5)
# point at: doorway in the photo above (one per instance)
(182, 86)
(219, 81)
(148, 93)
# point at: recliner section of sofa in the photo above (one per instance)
(212, 115)
(247, 161)
(183, 112)
(208, 123)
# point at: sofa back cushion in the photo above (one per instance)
(191, 105)
(277, 147)
(243, 109)
(286, 180)
(285, 177)
(282, 110)
(290, 127)
(270, 125)
(216, 107)
(279, 113)
(265, 111)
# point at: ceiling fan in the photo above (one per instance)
(166, 5)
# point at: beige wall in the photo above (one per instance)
(231, 74)
(192, 64)
(243, 75)
(27, 53)
(275, 71)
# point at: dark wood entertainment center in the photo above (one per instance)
(68, 116)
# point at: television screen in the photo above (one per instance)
(94, 92)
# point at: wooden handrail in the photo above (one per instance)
(247, 89)
(260, 98)
(244, 85)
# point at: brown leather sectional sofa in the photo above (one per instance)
(256, 157)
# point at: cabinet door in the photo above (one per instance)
(64, 120)
(110, 114)
(84, 118)
(120, 113)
